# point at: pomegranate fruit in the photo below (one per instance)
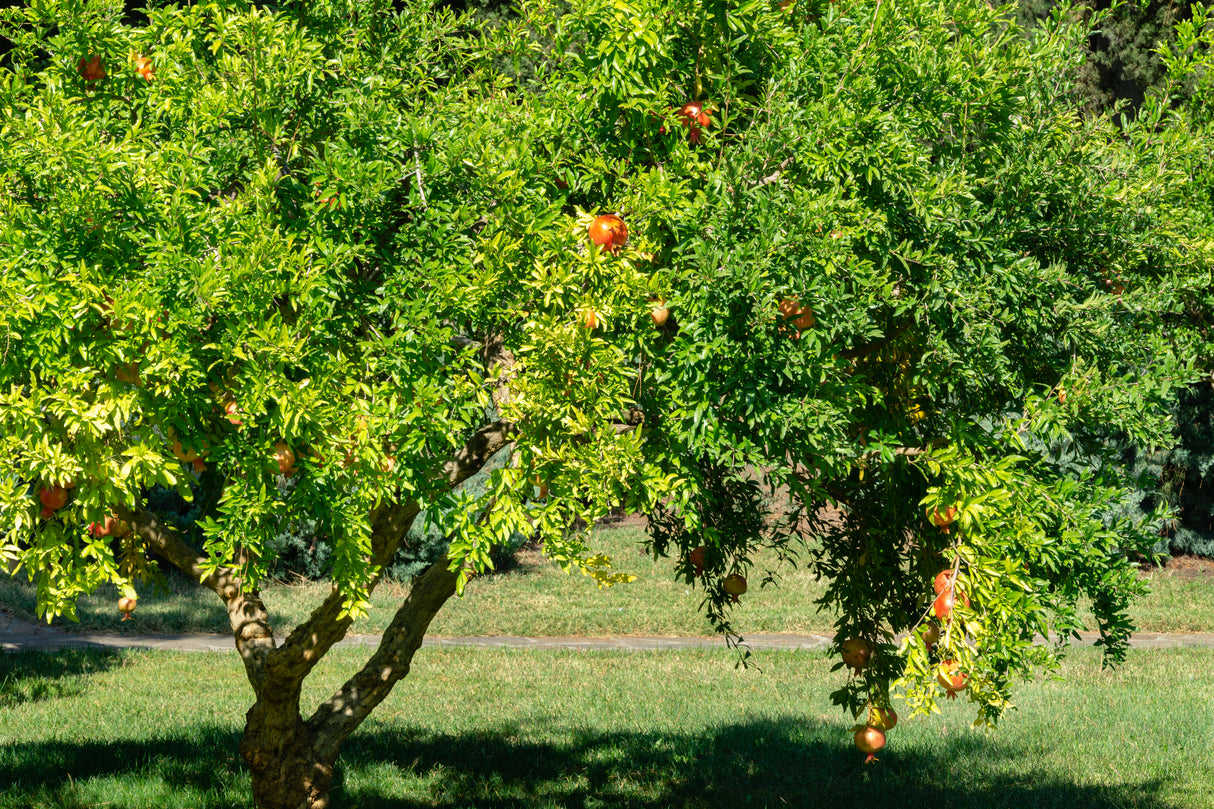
(942, 607)
(181, 454)
(52, 499)
(697, 558)
(870, 740)
(942, 519)
(659, 313)
(950, 676)
(802, 317)
(143, 66)
(590, 319)
(609, 232)
(696, 119)
(284, 456)
(884, 718)
(112, 527)
(856, 653)
(943, 581)
(931, 635)
(126, 605)
(91, 69)
(734, 585)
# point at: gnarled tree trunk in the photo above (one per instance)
(287, 770)
(292, 760)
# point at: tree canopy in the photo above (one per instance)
(880, 298)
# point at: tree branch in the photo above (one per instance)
(246, 612)
(390, 523)
(342, 713)
(775, 175)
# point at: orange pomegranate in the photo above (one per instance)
(659, 313)
(942, 519)
(143, 66)
(609, 232)
(126, 605)
(284, 456)
(870, 740)
(885, 718)
(950, 676)
(802, 317)
(91, 69)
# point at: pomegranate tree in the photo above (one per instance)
(281, 212)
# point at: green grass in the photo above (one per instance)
(538, 599)
(493, 728)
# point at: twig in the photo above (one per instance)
(775, 175)
(417, 172)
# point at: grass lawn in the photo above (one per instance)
(538, 599)
(493, 728)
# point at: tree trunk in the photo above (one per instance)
(286, 769)
(292, 760)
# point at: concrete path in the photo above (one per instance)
(17, 635)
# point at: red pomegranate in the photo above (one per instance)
(112, 527)
(52, 499)
(695, 118)
(609, 232)
(943, 581)
(950, 676)
(697, 558)
(945, 601)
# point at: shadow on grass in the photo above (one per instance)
(762, 763)
(36, 676)
(200, 769)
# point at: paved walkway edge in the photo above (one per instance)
(17, 635)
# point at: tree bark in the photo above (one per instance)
(291, 761)
(286, 769)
